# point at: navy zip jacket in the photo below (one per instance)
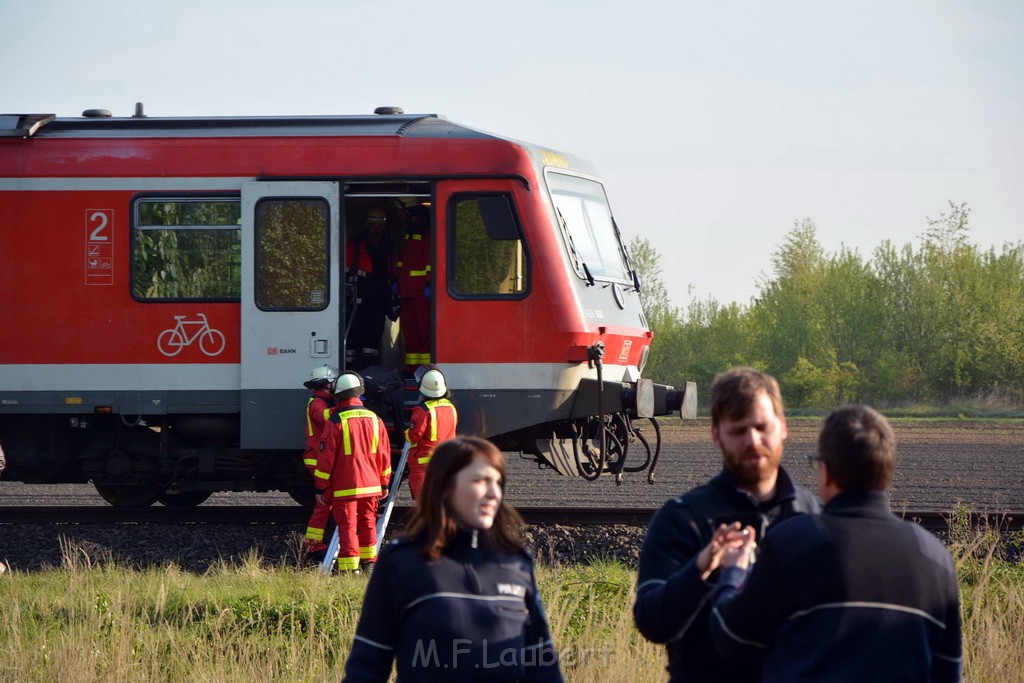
(854, 594)
(673, 601)
(473, 614)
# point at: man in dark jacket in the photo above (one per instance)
(854, 594)
(678, 562)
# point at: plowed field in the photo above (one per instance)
(939, 464)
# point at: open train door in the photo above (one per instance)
(291, 304)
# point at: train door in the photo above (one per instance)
(483, 271)
(291, 303)
(482, 278)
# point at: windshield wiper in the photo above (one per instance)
(625, 256)
(578, 261)
(590, 278)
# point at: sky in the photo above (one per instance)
(717, 126)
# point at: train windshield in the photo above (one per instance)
(587, 226)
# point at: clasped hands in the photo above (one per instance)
(730, 546)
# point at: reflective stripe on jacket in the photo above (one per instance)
(355, 454)
(432, 421)
(414, 265)
(318, 411)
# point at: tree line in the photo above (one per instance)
(933, 323)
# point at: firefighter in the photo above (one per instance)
(433, 420)
(321, 382)
(369, 259)
(414, 287)
(353, 471)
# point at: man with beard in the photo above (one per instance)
(687, 537)
(853, 594)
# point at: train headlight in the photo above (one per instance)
(643, 358)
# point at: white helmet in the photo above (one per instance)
(321, 376)
(349, 385)
(432, 384)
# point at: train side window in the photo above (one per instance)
(292, 258)
(187, 249)
(489, 255)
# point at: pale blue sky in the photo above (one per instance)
(716, 125)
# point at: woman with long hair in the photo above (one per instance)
(455, 598)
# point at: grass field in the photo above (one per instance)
(91, 620)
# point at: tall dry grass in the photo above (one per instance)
(990, 567)
(91, 620)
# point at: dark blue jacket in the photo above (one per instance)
(473, 614)
(672, 604)
(854, 594)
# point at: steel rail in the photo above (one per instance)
(293, 514)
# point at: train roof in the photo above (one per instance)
(384, 122)
(99, 123)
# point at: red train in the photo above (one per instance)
(168, 284)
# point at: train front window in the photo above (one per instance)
(590, 234)
(292, 261)
(187, 249)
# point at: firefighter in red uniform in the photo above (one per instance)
(414, 287)
(369, 259)
(321, 382)
(352, 471)
(433, 420)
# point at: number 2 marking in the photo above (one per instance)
(97, 234)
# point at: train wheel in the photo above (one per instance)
(130, 495)
(183, 499)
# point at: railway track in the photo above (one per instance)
(92, 514)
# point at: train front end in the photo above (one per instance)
(558, 371)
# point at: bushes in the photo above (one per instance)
(938, 323)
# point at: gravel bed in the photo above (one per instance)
(940, 464)
(199, 547)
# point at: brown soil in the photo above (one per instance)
(940, 464)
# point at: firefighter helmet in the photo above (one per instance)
(321, 377)
(349, 385)
(432, 384)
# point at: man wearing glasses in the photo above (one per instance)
(686, 537)
(854, 594)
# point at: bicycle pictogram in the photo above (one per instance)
(186, 332)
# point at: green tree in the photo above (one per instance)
(667, 357)
(938, 322)
(654, 298)
(695, 346)
(715, 337)
(954, 316)
(788, 313)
